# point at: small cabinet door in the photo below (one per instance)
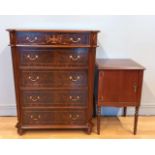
(129, 86)
(118, 87)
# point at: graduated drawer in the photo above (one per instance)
(54, 98)
(52, 38)
(54, 117)
(56, 57)
(55, 78)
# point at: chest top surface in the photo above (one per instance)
(118, 64)
(53, 30)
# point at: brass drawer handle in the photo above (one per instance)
(74, 58)
(34, 98)
(36, 118)
(33, 79)
(74, 117)
(75, 41)
(74, 79)
(32, 58)
(74, 99)
(31, 40)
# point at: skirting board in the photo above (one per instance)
(7, 110)
(10, 110)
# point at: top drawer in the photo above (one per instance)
(52, 38)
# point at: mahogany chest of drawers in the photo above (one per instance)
(119, 85)
(54, 74)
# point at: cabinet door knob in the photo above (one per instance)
(32, 58)
(74, 79)
(75, 40)
(135, 88)
(101, 98)
(74, 58)
(33, 79)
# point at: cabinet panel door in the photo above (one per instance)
(109, 86)
(129, 86)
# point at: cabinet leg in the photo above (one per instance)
(98, 119)
(124, 111)
(89, 129)
(17, 125)
(94, 106)
(20, 131)
(136, 120)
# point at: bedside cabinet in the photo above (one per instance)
(119, 85)
(53, 73)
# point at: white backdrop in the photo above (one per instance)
(120, 37)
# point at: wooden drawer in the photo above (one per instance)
(54, 117)
(54, 98)
(53, 57)
(71, 79)
(52, 38)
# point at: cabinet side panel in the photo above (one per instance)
(140, 86)
(16, 80)
(91, 72)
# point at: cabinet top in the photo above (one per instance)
(118, 64)
(51, 30)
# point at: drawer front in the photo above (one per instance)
(53, 57)
(54, 98)
(54, 117)
(61, 79)
(52, 38)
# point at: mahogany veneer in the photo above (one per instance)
(54, 74)
(119, 85)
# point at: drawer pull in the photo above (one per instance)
(33, 79)
(74, 79)
(74, 117)
(75, 41)
(32, 58)
(34, 98)
(74, 58)
(36, 118)
(31, 40)
(74, 99)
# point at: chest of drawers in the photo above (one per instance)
(54, 74)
